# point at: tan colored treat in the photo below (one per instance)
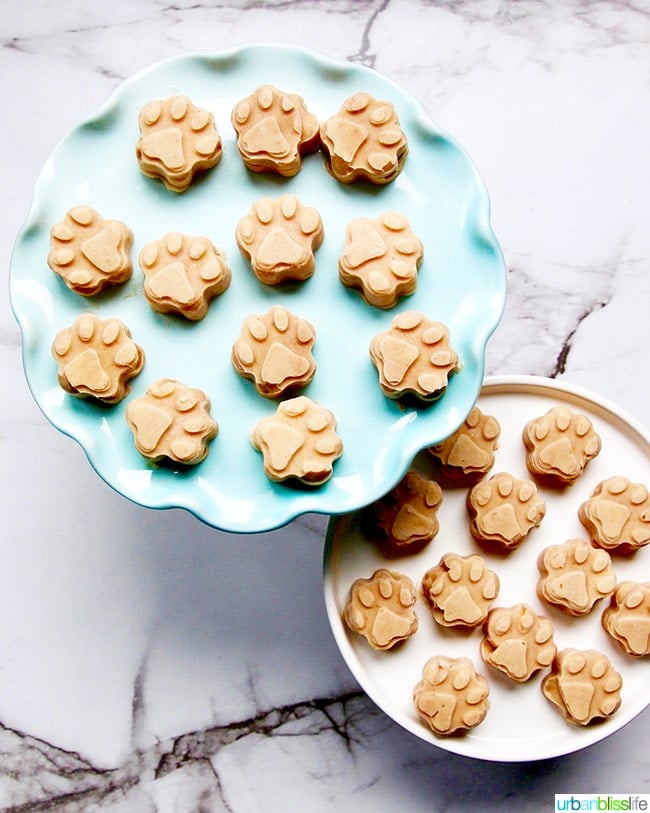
(274, 130)
(97, 358)
(627, 617)
(279, 236)
(90, 253)
(381, 258)
(504, 509)
(183, 274)
(408, 514)
(364, 140)
(468, 454)
(298, 441)
(617, 515)
(381, 608)
(559, 445)
(574, 576)
(452, 696)
(274, 350)
(414, 358)
(583, 685)
(177, 141)
(460, 590)
(517, 641)
(172, 422)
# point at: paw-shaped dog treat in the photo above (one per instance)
(460, 590)
(381, 608)
(574, 576)
(279, 236)
(627, 617)
(274, 130)
(177, 141)
(182, 274)
(89, 252)
(364, 140)
(584, 686)
(518, 641)
(172, 422)
(503, 510)
(452, 696)
(559, 445)
(617, 515)
(468, 454)
(408, 515)
(97, 358)
(414, 358)
(381, 258)
(274, 350)
(298, 442)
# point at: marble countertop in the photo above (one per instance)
(149, 662)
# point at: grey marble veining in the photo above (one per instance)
(145, 665)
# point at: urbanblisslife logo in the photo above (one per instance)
(602, 801)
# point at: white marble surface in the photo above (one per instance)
(150, 663)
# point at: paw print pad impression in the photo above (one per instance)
(97, 358)
(182, 274)
(460, 590)
(177, 141)
(617, 515)
(89, 252)
(381, 608)
(559, 445)
(503, 510)
(298, 442)
(583, 685)
(364, 140)
(627, 618)
(279, 236)
(574, 576)
(518, 642)
(414, 358)
(274, 351)
(468, 454)
(381, 258)
(452, 696)
(172, 422)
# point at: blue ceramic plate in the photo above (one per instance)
(461, 283)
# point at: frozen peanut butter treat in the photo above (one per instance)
(97, 358)
(627, 617)
(617, 515)
(274, 350)
(382, 609)
(381, 258)
(172, 422)
(274, 131)
(517, 641)
(407, 516)
(279, 237)
(467, 455)
(452, 697)
(574, 576)
(298, 441)
(583, 685)
(414, 358)
(559, 445)
(89, 252)
(504, 509)
(364, 140)
(177, 141)
(460, 590)
(183, 274)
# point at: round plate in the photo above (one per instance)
(521, 723)
(461, 283)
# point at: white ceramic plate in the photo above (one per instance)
(521, 724)
(461, 283)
